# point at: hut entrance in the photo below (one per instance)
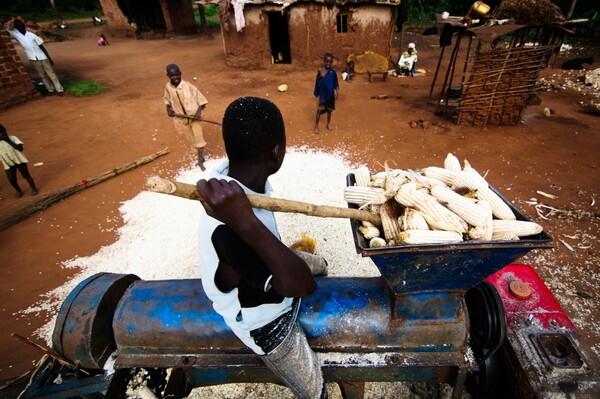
(279, 36)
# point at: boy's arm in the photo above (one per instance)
(16, 146)
(227, 202)
(46, 54)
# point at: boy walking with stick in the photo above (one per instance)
(185, 104)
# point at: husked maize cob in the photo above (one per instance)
(477, 233)
(412, 219)
(369, 232)
(360, 196)
(429, 237)
(452, 163)
(377, 242)
(520, 228)
(465, 208)
(488, 226)
(469, 178)
(504, 236)
(389, 213)
(437, 216)
(441, 174)
(424, 181)
(378, 180)
(362, 176)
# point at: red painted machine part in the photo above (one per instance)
(541, 304)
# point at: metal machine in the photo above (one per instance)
(430, 317)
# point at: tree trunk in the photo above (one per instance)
(59, 20)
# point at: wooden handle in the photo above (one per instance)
(201, 119)
(159, 184)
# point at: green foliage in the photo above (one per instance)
(82, 88)
(423, 11)
(41, 10)
(210, 10)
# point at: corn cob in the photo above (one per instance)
(452, 163)
(377, 242)
(488, 226)
(424, 181)
(361, 196)
(469, 178)
(520, 228)
(362, 176)
(389, 213)
(429, 237)
(378, 180)
(503, 236)
(412, 219)
(444, 175)
(463, 207)
(369, 232)
(437, 216)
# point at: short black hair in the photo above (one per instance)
(173, 67)
(252, 127)
(2, 129)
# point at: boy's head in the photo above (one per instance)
(20, 26)
(174, 74)
(254, 132)
(3, 133)
(328, 60)
(351, 64)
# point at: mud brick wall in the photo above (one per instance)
(15, 84)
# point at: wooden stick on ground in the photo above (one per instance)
(51, 198)
(48, 352)
(184, 190)
(201, 119)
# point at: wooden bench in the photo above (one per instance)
(383, 72)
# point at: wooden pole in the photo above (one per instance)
(159, 184)
(46, 201)
(201, 119)
(48, 352)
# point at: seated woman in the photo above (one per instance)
(407, 62)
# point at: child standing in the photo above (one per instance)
(326, 90)
(185, 104)
(12, 158)
(254, 281)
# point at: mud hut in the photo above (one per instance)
(259, 33)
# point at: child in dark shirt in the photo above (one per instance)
(326, 90)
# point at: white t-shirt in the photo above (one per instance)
(31, 44)
(227, 304)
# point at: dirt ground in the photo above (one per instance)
(77, 138)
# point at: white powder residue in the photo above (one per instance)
(158, 239)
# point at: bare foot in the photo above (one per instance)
(329, 127)
(316, 130)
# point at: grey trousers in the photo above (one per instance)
(46, 72)
(297, 365)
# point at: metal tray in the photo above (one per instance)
(433, 267)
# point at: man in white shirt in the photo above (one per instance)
(39, 58)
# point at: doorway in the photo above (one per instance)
(279, 36)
